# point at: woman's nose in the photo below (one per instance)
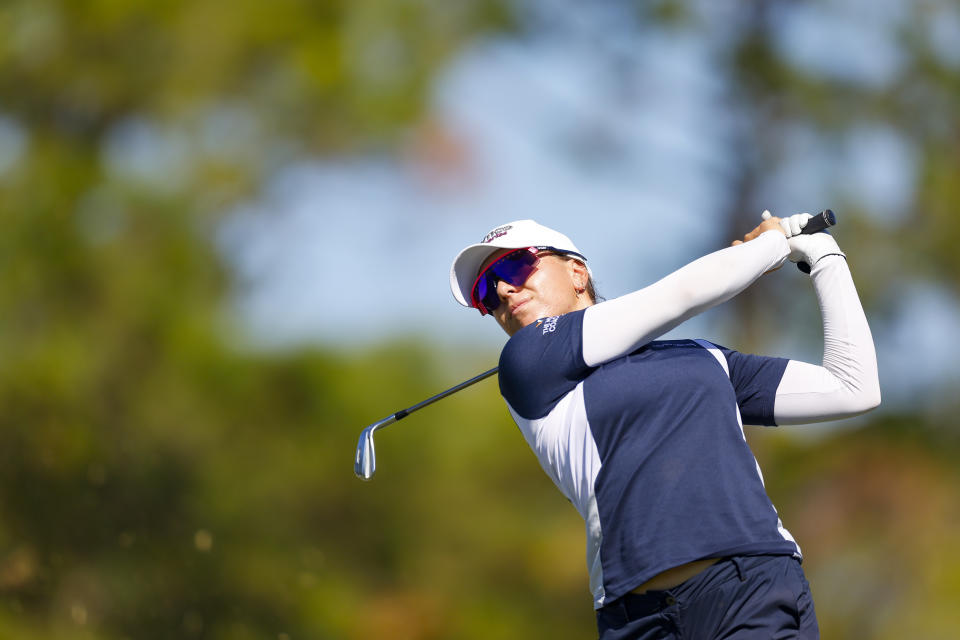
(504, 288)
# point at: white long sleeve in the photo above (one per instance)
(847, 384)
(616, 327)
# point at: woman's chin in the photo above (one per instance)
(529, 313)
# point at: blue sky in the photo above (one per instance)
(538, 129)
(629, 159)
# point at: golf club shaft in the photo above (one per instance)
(403, 413)
(365, 463)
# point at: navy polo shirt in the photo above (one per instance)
(649, 447)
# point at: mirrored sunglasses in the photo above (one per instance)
(514, 268)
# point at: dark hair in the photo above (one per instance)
(592, 291)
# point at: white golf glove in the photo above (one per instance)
(806, 249)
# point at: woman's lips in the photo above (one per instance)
(513, 308)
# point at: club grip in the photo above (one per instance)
(821, 221)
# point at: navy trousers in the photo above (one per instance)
(742, 598)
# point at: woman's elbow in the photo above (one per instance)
(874, 399)
(867, 399)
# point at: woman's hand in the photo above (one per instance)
(770, 223)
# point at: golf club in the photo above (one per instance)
(365, 463)
(819, 222)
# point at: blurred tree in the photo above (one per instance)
(155, 482)
(913, 103)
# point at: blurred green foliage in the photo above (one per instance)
(159, 480)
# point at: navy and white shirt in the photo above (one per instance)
(649, 447)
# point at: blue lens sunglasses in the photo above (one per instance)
(514, 268)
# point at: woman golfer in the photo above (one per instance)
(645, 437)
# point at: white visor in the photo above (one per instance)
(513, 235)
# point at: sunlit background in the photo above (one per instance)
(226, 237)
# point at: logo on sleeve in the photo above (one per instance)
(549, 324)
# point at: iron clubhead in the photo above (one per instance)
(365, 464)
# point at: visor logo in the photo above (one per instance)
(496, 233)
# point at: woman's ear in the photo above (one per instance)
(579, 275)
